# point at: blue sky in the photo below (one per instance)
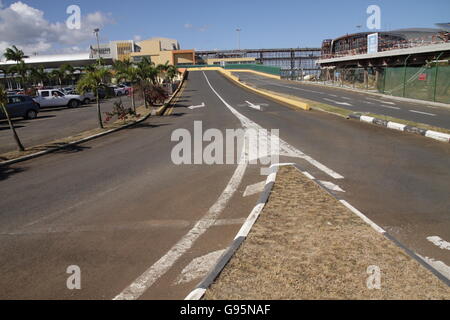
(211, 24)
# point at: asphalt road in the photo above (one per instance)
(54, 123)
(124, 213)
(354, 101)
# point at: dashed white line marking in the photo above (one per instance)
(338, 102)
(425, 113)
(389, 107)
(346, 98)
(199, 267)
(254, 189)
(437, 241)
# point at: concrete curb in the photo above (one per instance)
(443, 137)
(266, 93)
(159, 112)
(201, 288)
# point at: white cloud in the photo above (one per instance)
(27, 28)
(137, 38)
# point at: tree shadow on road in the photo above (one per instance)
(6, 171)
(147, 125)
(61, 148)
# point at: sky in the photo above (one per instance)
(40, 25)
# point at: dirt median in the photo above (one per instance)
(307, 246)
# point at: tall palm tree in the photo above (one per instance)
(38, 75)
(17, 55)
(92, 80)
(14, 54)
(146, 73)
(125, 70)
(58, 76)
(3, 104)
(172, 73)
(67, 72)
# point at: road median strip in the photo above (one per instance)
(308, 245)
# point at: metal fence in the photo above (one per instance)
(430, 83)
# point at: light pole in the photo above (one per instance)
(238, 30)
(96, 31)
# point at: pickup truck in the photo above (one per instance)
(55, 98)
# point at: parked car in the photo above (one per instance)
(122, 90)
(55, 98)
(20, 106)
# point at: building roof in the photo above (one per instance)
(56, 60)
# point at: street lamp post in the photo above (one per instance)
(96, 31)
(238, 30)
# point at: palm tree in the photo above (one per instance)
(67, 71)
(3, 104)
(14, 54)
(172, 73)
(38, 75)
(92, 80)
(145, 73)
(162, 70)
(125, 70)
(58, 76)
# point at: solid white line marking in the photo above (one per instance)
(437, 241)
(284, 146)
(149, 277)
(254, 189)
(199, 267)
(331, 186)
(362, 216)
(425, 113)
(438, 265)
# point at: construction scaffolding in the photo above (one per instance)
(294, 63)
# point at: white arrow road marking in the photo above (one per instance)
(199, 106)
(199, 267)
(439, 242)
(285, 148)
(331, 186)
(438, 265)
(340, 103)
(254, 189)
(425, 113)
(251, 105)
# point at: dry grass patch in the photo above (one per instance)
(306, 245)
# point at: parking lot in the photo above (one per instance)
(56, 123)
